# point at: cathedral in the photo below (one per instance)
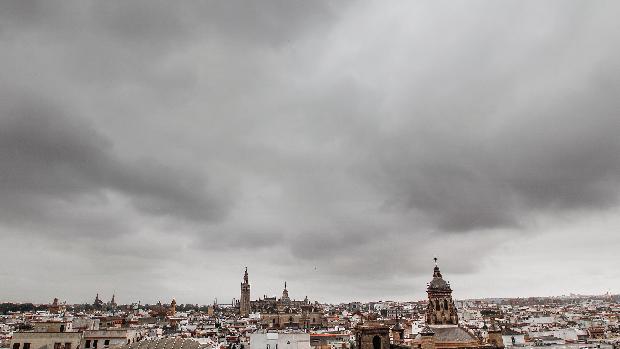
(442, 330)
(280, 313)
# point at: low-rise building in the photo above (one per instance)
(103, 339)
(273, 340)
(46, 340)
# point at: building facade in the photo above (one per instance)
(274, 340)
(46, 340)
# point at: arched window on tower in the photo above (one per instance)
(376, 342)
(445, 304)
(437, 304)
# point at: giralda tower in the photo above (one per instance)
(244, 303)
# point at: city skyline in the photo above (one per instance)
(153, 150)
(238, 301)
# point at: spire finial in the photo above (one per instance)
(285, 285)
(436, 272)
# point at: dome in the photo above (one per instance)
(450, 334)
(438, 283)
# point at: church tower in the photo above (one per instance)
(285, 299)
(441, 309)
(244, 303)
(173, 308)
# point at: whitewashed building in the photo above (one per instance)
(274, 340)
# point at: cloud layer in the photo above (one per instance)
(156, 149)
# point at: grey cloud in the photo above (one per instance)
(188, 140)
(145, 23)
(493, 144)
(48, 155)
(549, 158)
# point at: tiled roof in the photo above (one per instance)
(452, 334)
(166, 343)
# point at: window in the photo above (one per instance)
(95, 343)
(16, 346)
(57, 345)
(26, 345)
(106, 342)
(87, 345)
(67, 345)
(376, 342)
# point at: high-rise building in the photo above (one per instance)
(244, 303)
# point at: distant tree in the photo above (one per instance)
(5, 308)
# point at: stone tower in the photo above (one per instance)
(372, 336)
(495, 335)
(98, 303)
(285, 299)
(398, 332)
(244, 303)
(173, 308)
(441, 309)
(427, 338)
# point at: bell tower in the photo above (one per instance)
(285, 299)
(244, 303)
(441, 309)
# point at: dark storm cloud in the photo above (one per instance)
(321, 142)
(500, 134)
(48, 156)
(548, 158)
(151, 24)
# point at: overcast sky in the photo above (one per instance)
(154, 149)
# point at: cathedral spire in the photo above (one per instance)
(285, 297)
(436, 272)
